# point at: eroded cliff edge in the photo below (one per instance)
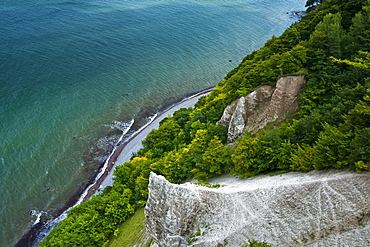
(294, 209)
(266, 104)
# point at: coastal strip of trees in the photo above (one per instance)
(331, 130)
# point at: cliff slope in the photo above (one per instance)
(265, 104)
(294, 209)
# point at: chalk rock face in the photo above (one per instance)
(304, 209)
(167, 221)
(265, 104)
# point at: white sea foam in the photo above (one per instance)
(105, 166)
(122, 126)
(38, 217)
(128, 126)
(126, 129)
(36, 214)
(151, 119)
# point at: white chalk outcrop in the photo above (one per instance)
(265, 104)
(330, 208)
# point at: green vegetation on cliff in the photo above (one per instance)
(331, 130)
(132, 232)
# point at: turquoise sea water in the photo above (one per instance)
(73, 72)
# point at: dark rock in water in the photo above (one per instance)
(300, 13)
(296, 14)
(45, 190)
(29, 239)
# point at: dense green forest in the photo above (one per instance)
(330, 46)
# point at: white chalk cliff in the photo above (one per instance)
(330, 208)
(265, 104)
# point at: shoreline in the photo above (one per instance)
(120, 154)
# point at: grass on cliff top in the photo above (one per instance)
(132, 232)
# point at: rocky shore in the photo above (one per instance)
(104, 176)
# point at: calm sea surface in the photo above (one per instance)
(73, 72)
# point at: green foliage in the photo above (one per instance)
(302, 158)
(204, 157)
(210, 156)
(161, 140)
(328, 35)
(362, 166)
(217, 157)
(331, 149)
(244, 158)
(342, 146)
(362, 63)
(182, 116)
(131, 232)
(358, 121)
(358, 37)
(283, 156)
(208, 185)
(262, 153)
(313, 2)
(91, 223)
(255, 243)
(193, 237)
(175, 166)
(134, 175)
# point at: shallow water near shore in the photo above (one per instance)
(74, 74)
